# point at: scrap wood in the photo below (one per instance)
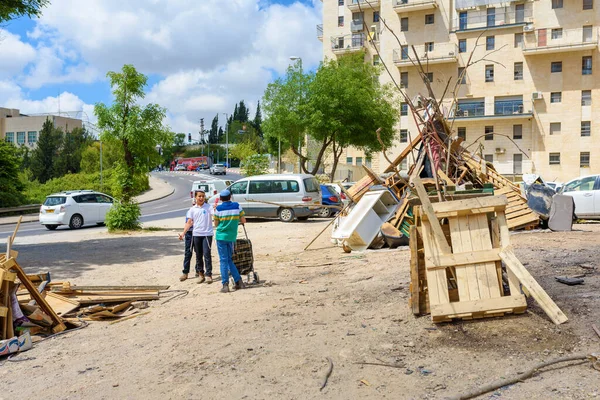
(519, 378)
(67, 287)
(129, 317)
(595, 328)
(60, 304)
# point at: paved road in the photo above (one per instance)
(172, 206)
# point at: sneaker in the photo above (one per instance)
(209, 280)
(239, 285)
(201, 278)
(183, 277)
(225, 289)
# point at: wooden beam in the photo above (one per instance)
(403, 154)
(468, 204)
(435, 223)
(14, 235)
(486, 306)
(534, 288)
(458, 259)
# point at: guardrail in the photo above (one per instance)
(28, 207)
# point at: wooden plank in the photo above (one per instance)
(468, 204)
(436, 228)
(513, 282)
(481, 239)
(91, 299)
(3, 313)
(472, 211)
(437, 282)
(534, 288)
(519, 213)
(444, 177)
(523, 221)
(60, 304)
(414, 271)
(59, 326)
(489, 306)
(462, 274)
(14, 235)
(470, 257)
(403, 154)
(111, 288)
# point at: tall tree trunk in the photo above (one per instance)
(130, 167)
(337, 153)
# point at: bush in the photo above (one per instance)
(256, 164)
(123, 217)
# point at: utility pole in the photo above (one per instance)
(202, 134)
(226, 140)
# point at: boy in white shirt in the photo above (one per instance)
(201, 219)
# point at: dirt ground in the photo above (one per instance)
(272, 340)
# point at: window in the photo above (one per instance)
(260, 187)
(518, 71)
(554, 158)
(285, 187)
(588, 4)
(556, 66)
(490, 42)
(349, 160)
(489, 133)
(404, 79)
(20, 137)
(555, 128)
(403, 109)
(584, 159)
(517, 164)
(586, 128)
(518, 40)
(488, 158)
(557, 3)
(556, 33)
(520, 13)
(429, 19)
(341, 20)
(375, 16)
(462, 45)
(555, 97)
(340, 2)
(462, 76)
(429, 77)
(404, 52)
(31, 137)
(10, 137)
(429, 46)
(404, 24)
(491, 16)
(239, 187)
(368, 162)
(517, 131)
(588, 33)
(403, 135)
(311, 184)
(586, 97)
(581, 184)
(462, 20)
(586, 65)
(376, 59)
(358, 161)
(489, 73)
(462, 133)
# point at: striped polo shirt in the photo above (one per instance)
(228, 215)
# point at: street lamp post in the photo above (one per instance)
(226, 140)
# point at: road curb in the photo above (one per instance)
(158, 198)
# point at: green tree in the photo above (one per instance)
(256, 164)
(10, 186)
(69, 157)
(11, 9)
(213, 136)
(243, 151)
(139, 131)
(257, 121)
(45, 154)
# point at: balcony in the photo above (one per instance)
(499, 109)
(470, 4)
(404, 6)
(348, 43)
(320, 32)
(493, 18)
(357, 5)
(546, 41)
(439, 54)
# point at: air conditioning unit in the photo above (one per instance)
(537, 96)
(528, 28)
(500, 150)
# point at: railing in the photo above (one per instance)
(320, 31)
(348, 42)
(498, 108)
(501, 16)
(509, 107)
(439, 53)
(20, 209)
(353, 4)
(466, 4)
(414, 3)
(562, 38)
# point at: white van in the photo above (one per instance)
(210, 187)
(286, 196)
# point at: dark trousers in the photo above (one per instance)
(202, 245)
(189, 248)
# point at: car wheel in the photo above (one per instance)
(51, 227)
(286, 214)
(325, 212)
(76, 222)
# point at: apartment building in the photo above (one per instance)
(23, 130)
(530, 100)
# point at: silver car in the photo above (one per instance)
(217, 169)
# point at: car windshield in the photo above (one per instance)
(55, 201)
(311, 185)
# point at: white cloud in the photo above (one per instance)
(15, 54)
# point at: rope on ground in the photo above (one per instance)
(178, 294)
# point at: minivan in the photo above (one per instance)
(285, 196)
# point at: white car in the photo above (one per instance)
(211, 187)
(75, 208)
(586, 195)
(216, 169)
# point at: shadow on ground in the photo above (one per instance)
(70, 260)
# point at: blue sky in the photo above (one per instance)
(201, 57)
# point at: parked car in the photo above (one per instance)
(217, 169)
(554, 185)
(75, 208)
(586, 195)
(286, 196)
(211, 187)
(330, 197)
(180, 167)
(192, 167)
(338, 190)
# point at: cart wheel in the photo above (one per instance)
(256, 279)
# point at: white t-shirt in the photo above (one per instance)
(203, 220)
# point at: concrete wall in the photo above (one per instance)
(31, 124)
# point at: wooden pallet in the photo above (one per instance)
(518, 213)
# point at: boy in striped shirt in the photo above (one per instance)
(228, 216)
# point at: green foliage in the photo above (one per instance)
(45, 154)
(257, 122)
(10, 185)
(73, 144)
(256, 164)
(242, 151)
(123, 217)
(12, 9)
(213, 136)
